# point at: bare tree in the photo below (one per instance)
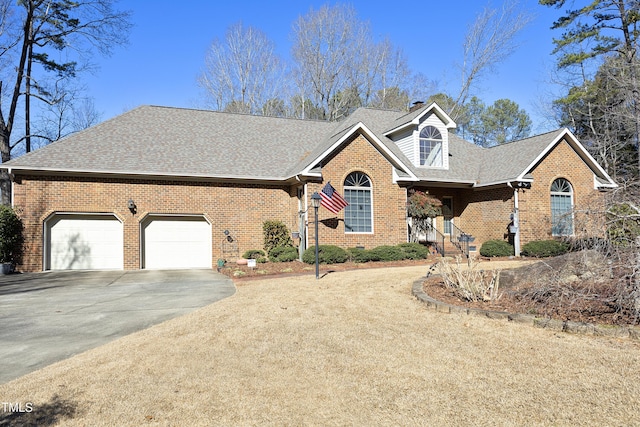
(44, 26)
(489, 40)
(242, 72)
(327, 44)
(339, 66)
(72, 113)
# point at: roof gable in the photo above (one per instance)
(515, 161)
(414, 118)
(402, 169)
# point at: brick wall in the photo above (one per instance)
(484, 213)
(389, 200)
(481, 213)
(241, 209)
(535, 204)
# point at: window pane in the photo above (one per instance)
(561, 215)
(357, 215)
(430, 153)
(561, 208)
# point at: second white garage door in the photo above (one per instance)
(176, 242)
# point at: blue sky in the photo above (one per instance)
(165, 55)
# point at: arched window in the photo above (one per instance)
(430, 147)
(358, 216)
(561, 208)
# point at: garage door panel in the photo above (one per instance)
(79, 242)
(177, 242)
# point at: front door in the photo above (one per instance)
(447, 213)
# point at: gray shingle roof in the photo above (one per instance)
(507, 161)
(181, 142)
(165, 141)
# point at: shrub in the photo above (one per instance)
(276, 234)
(283, 254)
(359, 255)
(387, 253)
(623, 224)
(492, 248)
(253, 254)
(327, 254)
(11, 236)
(414, 250)
(470, 282)
(544, 248)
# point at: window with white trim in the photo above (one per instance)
(430, 147)
(358, 215)
(561, 208)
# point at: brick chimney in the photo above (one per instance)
(416, 106)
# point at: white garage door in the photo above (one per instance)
(84, 242)
(177, 242)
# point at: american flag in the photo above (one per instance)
(331, 199)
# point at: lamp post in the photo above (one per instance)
(315, 202)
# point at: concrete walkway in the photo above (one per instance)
(50, 316)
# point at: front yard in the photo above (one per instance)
(354, 348)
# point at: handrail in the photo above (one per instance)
(460, 239)
(439, 240)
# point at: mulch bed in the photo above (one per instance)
(270, 269)
(560, 303)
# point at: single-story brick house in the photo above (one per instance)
(162, 187)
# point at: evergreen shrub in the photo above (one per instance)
(276, 234)
(387, 253)
(414, 250)
(494, 248)
(327, 254)
(11, 236)
(283, 254)
(544, 248)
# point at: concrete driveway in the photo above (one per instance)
(50, 316)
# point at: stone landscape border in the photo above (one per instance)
(632, 332)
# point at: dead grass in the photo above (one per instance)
(353, 348)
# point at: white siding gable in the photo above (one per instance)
(431, 120)
(405, 141)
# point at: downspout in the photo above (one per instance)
(302, 222)
(516, 221)
(13, 200)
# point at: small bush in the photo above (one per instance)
(283, 254)
(359, 255)
(327, 254)
(414, 250)
(544, 248)
(253, 254)
(387, 253)
(276, 234)
(11, 236)
(493, 248)
(470, 282)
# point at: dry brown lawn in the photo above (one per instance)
(354, 348)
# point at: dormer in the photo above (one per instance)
(423, 136)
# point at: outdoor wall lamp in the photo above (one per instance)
(315, 202)
(132, 206)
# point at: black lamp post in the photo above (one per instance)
(315, 202)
